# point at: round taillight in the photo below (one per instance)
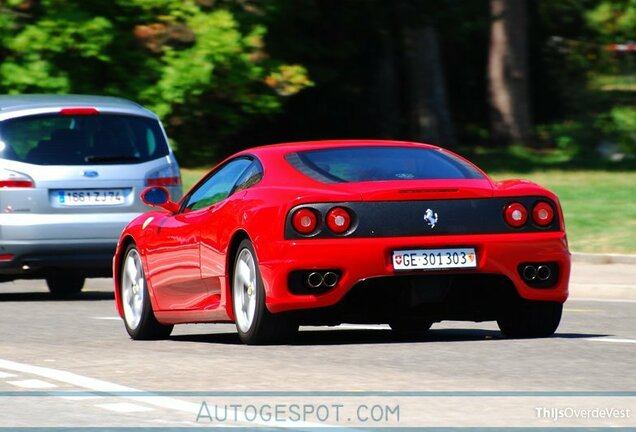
(338, 220)
(516, 215)
(542, 214)
(304, 221)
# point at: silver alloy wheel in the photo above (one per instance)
(245, 290)
(133, 289)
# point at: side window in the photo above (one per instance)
(218, 186)
(250, 177)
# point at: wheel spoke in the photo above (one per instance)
(133, 285)
(245, 289)
(141, 283)
(246, 302)
(131, 268)
(243, 272)
(126, 295)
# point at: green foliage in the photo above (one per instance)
(619, 126)
(614, 19)
(566, 137)
(580, 81)
(193, 62)
(224, 74)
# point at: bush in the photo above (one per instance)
(619, 127)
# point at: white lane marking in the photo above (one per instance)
(124, 407)
(601, 300)
(568, 309)
(100, 386)
(350, 327)
(82, 397)
(613, 340)
(32, 384)
(107, 318)
(6, 375)
(108, 387)
(600, 287)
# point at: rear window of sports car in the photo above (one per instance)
(354, 164)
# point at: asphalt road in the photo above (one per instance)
(71, 364)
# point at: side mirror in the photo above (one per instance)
(158, 196)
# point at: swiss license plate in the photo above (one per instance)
(90, 197)
(434, 259)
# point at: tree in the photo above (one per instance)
(378, 67)
(206, 73)
(508, 73)
(426, 104)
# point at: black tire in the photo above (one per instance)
(65, 284)
(139, 318)
(410, 327)
(530, 319)
(258, 326)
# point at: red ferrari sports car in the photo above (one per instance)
(329, 232)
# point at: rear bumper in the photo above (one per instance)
(33, 259)
(362, 259)
(36, 228)
(32, 244)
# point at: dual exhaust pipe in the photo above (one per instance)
(536, 273)
(326, 279)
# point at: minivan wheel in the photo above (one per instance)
(65, 284)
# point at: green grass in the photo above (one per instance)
(616, 82)
(599, 206)
(189, 176)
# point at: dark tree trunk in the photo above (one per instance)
(429, 119)
(410, 72)
(386, 90)
(508, 73)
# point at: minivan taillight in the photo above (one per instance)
(13, 179)
(163, 181)
(78, 111)
(167, 176)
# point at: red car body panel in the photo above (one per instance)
(187, 256)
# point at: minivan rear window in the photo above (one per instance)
(354, 164)
(82, 139)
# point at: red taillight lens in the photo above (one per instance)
(167, 176)
(338, 220)
(516, 215)
(78, 111)
(13, 179)
(542, 214)
(304, 221)
(16, 184)
(6, 257)
(163, 181)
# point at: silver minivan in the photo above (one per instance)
(71, 171)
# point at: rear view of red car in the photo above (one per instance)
(345, 231)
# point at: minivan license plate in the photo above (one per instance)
(90, 197)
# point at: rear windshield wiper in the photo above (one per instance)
(111, 158)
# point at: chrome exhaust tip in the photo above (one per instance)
(330, 279)
(529, 272)
(544, 272)
(314, 280)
